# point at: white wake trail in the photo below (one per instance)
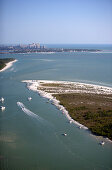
(28, 112)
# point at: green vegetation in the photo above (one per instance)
(92, 110)
(3, 62)
(85, 104)
(53, 85)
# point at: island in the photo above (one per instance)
(87, 105)
(5, 63)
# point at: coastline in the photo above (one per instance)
(35, 85)
(8, 65)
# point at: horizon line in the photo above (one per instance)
(57, 43)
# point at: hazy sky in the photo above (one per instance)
(56, 21)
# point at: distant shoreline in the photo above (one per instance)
(46, 50)
(8, 65)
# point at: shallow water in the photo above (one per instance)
(30, 144)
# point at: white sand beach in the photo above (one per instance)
(8, 65)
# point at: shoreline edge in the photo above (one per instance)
(8, 65)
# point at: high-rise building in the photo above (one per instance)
(34, 45)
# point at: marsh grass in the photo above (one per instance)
(92, 110)
(89, 106)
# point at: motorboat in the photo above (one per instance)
(64, 134)
(102, 143)
(2, 99)
(70, 121)
(2, 108)
(21, 105)
(29, 98)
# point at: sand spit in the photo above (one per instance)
(46, 90)
(8, 65)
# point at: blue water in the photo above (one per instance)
(30, 144)
(107, 47)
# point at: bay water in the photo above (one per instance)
(30, 142)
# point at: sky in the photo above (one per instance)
(56, 21)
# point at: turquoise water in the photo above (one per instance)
(26, 143)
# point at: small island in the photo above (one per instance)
(6, 63)
(87, 105)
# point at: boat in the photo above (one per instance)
(2, 99)
(70, 121)
(21, 105)
(2, 108)
(80, 127)
(102, 143)
(64, 134)
(29, 98)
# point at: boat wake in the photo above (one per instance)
(42, 123)
(28, 112)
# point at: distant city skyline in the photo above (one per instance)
(56, 22)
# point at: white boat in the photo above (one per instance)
(21, 105)
(29, 98)
(2, 99)
(2, 108)
(70, 121)
(64, 134)
(80, 127)
(102, 143)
